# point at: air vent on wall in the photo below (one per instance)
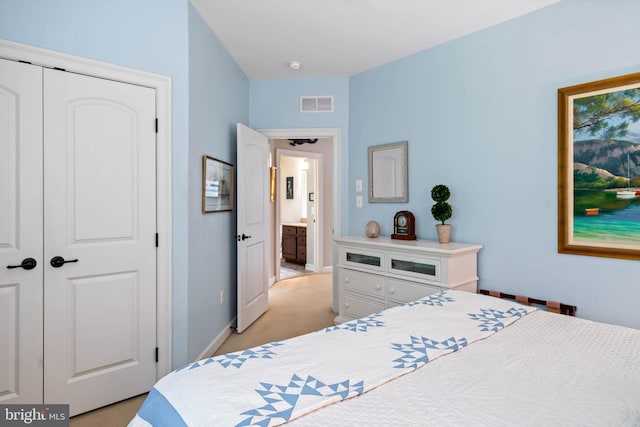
(316, 104)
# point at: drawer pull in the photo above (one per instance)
(378, 287)
(392, 290)
(347, 305)
(346, 280)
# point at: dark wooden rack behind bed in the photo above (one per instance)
(552, 306)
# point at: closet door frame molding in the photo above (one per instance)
(162, 85)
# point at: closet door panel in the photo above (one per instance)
(20, 233)
(103, 173)
(100, 210)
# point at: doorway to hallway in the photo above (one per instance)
(328, 204)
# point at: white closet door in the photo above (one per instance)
(20, 232)
(99, 200)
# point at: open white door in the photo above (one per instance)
(252, 225)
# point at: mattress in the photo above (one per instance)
(544, 370)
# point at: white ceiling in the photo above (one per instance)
(337, 38)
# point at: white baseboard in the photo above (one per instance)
(327, 269)
(218, 341)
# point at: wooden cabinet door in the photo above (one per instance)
(289, 247)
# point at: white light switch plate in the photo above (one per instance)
(358, 201)
(358, 185)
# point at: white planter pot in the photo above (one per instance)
(444, 232)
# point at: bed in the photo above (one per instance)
(450, 359)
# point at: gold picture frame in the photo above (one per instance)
(272, 184)
(217, 185)
(599, 168)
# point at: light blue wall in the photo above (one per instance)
(218, 99)
(480, 116)
(275, 104)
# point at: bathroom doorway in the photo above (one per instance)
(297, 211)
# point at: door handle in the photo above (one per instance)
(243, 237)
(27, 264)
(58, 261)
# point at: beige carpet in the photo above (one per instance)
(296, 306)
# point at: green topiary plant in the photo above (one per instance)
(442, 210)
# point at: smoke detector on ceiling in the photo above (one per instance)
(295, 65)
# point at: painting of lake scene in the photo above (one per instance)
(603, 141)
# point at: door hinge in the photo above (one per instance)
(157, 239)
(157, 355)
(156, 125)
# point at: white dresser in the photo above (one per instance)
(374, 274)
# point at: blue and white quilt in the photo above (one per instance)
(272, 384)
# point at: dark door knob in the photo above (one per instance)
(245, 237)
(27, 264)
(58, 261)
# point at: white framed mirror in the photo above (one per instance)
(388, 174)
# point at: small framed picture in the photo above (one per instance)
(217, 185)
(290, 187)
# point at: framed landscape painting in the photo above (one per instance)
(599, 168)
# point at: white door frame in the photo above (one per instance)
(319, 226)
(162, 85)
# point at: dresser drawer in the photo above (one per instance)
(359, 258)
(289, 230)
(358, 281)
(302, 253)
(356, 307)
(403, 291)
(418, 267)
